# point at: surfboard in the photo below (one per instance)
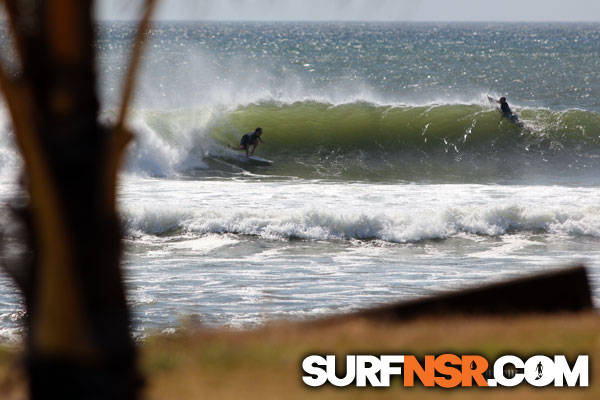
(256, 160)
(259, 160)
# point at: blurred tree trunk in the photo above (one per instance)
(78, 340)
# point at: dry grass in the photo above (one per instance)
(265, 363)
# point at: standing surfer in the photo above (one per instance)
(251, 139)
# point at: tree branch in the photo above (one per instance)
(121, 135)
(136, 55)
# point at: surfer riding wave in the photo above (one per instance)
(251, 139)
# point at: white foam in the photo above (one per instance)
(10, 160)
(312, 213)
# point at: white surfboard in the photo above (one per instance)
(259, 160)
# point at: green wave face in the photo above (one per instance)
(359, 126)
(304, 126)
(366, 141)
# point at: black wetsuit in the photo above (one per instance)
(506, 111)
(249, 139)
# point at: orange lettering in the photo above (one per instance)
(412, 367)
(473, 368)
(454, 377)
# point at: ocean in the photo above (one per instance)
(394, 177)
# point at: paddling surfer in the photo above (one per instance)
(507, 112)
(505, 108)
(251, 139)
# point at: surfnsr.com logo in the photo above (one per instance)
(446, 371)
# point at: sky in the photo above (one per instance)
(360, 10)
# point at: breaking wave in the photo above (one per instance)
(359, 140)
(401, 226)
(362, 140)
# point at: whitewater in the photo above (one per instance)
(393, 175)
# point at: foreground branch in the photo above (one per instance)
(78, 339)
